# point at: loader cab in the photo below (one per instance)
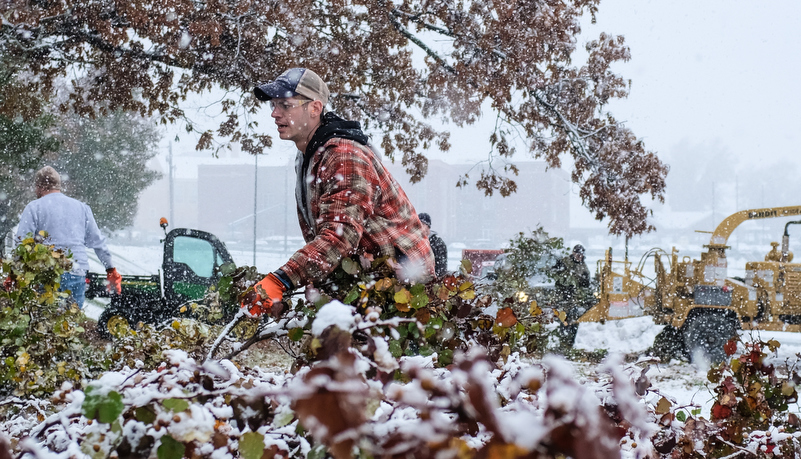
(192, 261)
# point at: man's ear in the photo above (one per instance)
(317, 108)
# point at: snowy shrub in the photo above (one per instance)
(41, 338)
(528, 257)
(340, 405)
(749, 417)
(382, 369)
(435, 319)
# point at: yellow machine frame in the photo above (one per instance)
(769, 298)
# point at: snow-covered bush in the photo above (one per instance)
(750, 416)
(439, 318)
(341, 405)
(41, 338)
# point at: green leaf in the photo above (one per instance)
(352, 295)
(105, 408)
(696, 412)
(350, 266)
(295, 334)
(395, 349)
(226, 269)
(444, 357)
(225, 284)
(430, 331)
(681, 416)
(318, 452)
(145, 414)
(413, 330)
(403, 332)
(284, 418)
(170, 448)
(419, 300)
(175, 404)
(251, 446)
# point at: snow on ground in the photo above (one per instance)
(621, 336)
(681, 381)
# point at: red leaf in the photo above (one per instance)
(730, 347)
(506, 317)
(720, 411)
(335, 403)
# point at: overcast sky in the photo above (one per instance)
(714, 82)
(710, 72)
(716, 73)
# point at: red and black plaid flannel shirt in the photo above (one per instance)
(357, 208)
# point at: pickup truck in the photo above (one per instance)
(192, 260)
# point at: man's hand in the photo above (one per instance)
(264, 295)
(114, 281)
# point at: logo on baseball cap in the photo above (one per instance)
(293, 82)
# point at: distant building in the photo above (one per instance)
(217, 195)
(466, 215)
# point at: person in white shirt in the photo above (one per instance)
(70, 225)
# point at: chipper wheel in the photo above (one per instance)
(114, 322)
(705, 335)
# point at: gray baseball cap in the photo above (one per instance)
(293, 82)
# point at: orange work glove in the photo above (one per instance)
(114, 281)
(260, 300)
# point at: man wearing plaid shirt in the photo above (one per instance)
(348, 203)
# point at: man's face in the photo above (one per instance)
(292, 117)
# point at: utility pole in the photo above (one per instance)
(172, 187)
(255, 203)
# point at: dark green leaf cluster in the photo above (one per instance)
(25, 141)
(103, 159)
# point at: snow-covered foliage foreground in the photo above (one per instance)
(437, 377)
(348, 406)
(218, 410)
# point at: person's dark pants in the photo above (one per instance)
(76, 285)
